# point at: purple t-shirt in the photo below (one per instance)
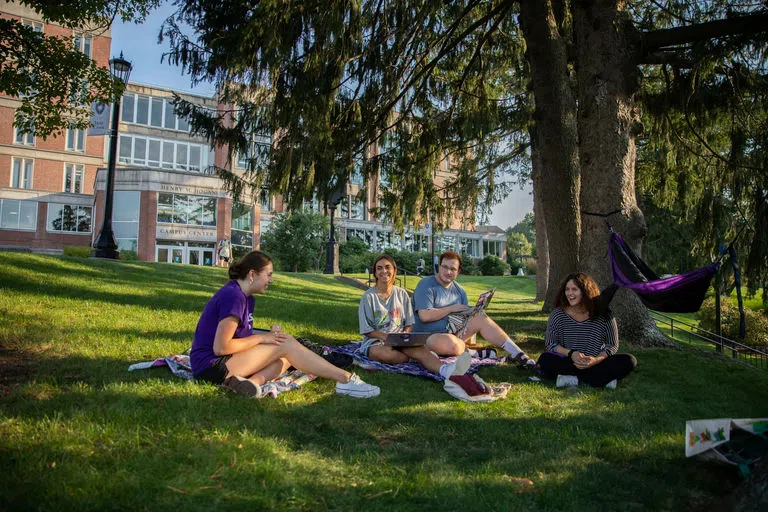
(228, 301)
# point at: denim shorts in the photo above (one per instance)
(365, 347)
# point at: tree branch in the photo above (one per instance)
(743, 25)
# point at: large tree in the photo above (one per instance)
(605, 51)
(55, 81)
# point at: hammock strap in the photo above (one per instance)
(737, 279)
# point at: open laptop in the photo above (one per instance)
(407, 339)
(482, 302)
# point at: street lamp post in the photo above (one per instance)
(331, 253)
(105, 246)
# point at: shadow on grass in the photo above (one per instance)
(154, 431)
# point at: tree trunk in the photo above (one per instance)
(556, 138)
(608, 122)
(542, 247)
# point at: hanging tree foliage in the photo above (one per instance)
(426, 81)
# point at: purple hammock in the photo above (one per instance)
(682, 293)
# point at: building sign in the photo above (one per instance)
(189, 189)
(186, 233)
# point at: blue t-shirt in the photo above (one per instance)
(430, 294)
(228, 301)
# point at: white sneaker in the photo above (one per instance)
(612, 384)
(357, 388)
(567, 381)
(458, 367)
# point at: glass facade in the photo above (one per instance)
(125, 220)
(242, 229)
(68, 218)
(18, 214)
(186, 209)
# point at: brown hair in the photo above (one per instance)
(590, 292)
(254, 260)
(389, 259)
(451, 256)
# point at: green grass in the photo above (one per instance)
(79, 432)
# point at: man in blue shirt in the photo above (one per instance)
(437, 297)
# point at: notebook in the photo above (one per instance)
(407, 339)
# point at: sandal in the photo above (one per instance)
(522, 361)
(485, 353)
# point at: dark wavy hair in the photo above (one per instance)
(389, 259)
(451, 256)
(590, 292)
(254, 260)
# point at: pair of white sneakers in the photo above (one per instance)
(356, 387)
(572, 380)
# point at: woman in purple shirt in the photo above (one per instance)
(226, 351)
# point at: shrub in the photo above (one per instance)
(78, 251)
(493, 266)
(514, 266)
(354, 256)
(469, 267)
(129, 255)
(756, 322)
(297, 241)
(530, 269)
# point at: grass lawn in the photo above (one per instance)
(79, 432)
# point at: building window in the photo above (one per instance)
(258, 153)
(21, 172)
(186, 209)
(125, 220)
(152, 111)
(357, 210)
(242, 229)
(470, 246)
(34, 25)
(69, 218)
(83, 43)
(357, 172)
(493, 247)
(18, 214)
(365, 235)
(73, 178)
(445, 243)
(182, 156)
(28, 139)
(75, 140)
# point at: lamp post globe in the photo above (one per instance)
(104, 246)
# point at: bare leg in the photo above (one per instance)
(445, 344)
(385, 354)
(425, 357)
(271, 371)
(257, 358)
(487, 328)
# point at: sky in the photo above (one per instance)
(139, 46)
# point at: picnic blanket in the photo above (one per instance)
(409, 368)
(179, 366)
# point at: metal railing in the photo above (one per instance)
(694, 335)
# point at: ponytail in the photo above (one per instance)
(254, 260)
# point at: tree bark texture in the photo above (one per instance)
(542, 247)
(608, 122)
(557, 138)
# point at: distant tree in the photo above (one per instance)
(55, 81)
(527, 227)
(518, 245)
(297, 240)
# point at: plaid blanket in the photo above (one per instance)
(179, 366)
(411, 367)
